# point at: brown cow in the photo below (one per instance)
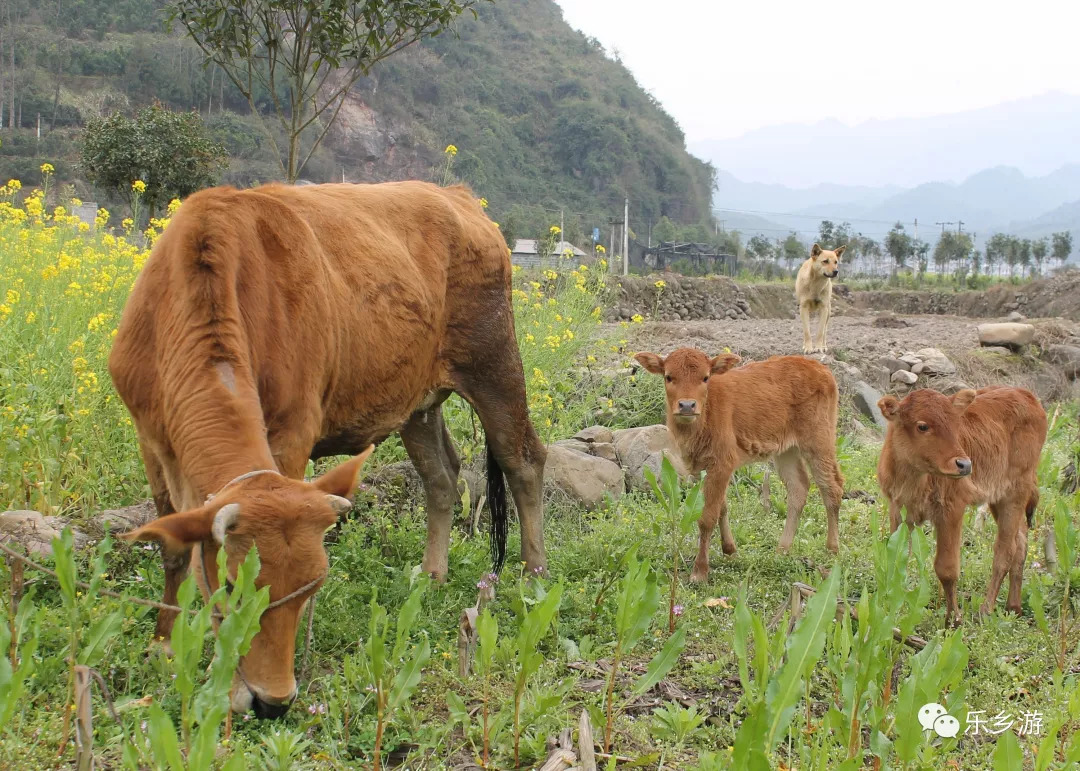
(721, 419)
(944, 454)
(281, 323)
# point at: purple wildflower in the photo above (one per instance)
(677, 610)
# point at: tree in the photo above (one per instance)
(997, 250)
(898, 245)
(1024, 254)
(1039, 250)
(831, 235)
(1012, 253)
(171, 152)
(1062, 244)
(760, 248)
(665, 230)
(305, 55)
(794, 250)
(920, 249)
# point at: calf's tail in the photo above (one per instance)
(496, 495)
(1032, 504)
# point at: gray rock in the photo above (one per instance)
(594, 434)
(892, 364)
(1009, 334)
(903, 376)
(605, 450)
(645, 447)
(731, 314)
(30, 529)
(129, 517)
(585, 478)
(865, 398)
(1067, 356)
(910, 359)
(1015, 316)
(918, 368)
(935, 362)
(998, 349)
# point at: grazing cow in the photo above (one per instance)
(813, 291)
(721, 419)
(282, 323)
(944, 454)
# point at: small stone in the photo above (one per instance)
(594, 434)
(1016, 316)
(732, 314)
(865, 398)
(903, 376)
(892, 364)
(910, 359)
(934, 362)
(918, 368)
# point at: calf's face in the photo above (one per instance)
(827, 262)
(286, 520)
(923, 430)
(686, 373)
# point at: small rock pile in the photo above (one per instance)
(901, 371)
(678, 298)
(598, 462)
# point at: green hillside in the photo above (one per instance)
(543, 119)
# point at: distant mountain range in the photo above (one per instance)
(1000, 199)
(1036, 135)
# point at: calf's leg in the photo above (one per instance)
(947, 561)
(822, 459)
(427, 442)
(1009, 517)
(715, 511)
(792, 471)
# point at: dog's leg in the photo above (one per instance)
(823, 320)
(804, 311)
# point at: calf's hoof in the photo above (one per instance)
(833, 547)
(699, 576)
(729, 549)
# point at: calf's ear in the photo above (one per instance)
(176, 532)
(723, 362)
(815, 250)
(889, 406)
(651, 362)
(962, 399)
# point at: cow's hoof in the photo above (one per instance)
(783, 548)
(697, 577)
(729, 550)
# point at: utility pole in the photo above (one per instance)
(960, 226)
(562, 226)
(943, 224)
(916, 228)
(626, 237)
(611, 243)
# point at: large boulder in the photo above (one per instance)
(129, 517)
(1006, 333)
(645, 447)
(29, 528)
(586, 479)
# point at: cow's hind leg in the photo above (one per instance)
(1010, 547)
(792, 471)
(497, 392)
(826, 471)
(428, 443)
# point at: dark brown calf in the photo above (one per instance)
(723, 419)
(944, 454)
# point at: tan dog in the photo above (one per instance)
(813, 291)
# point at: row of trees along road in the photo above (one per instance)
(954, 252)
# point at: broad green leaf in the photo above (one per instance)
(487, 630)
(408, 614)
(99, 636)
(64, 560)
(803, 651)
(741, 633)
(662, 662)
(1007, 753)
(408, 676)
(163, 740)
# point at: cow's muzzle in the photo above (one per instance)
(269, 710)
(963, 466)
(687, 410)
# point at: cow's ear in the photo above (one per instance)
(176, 532)
(889, 406)
(651, 362)
(815, 250)
(840, 250)
(342, 480)
(722, 363)
(963, 398)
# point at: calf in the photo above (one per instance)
(944, 454)
(723, 419)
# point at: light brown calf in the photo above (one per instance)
(723, 419)
(944, 454)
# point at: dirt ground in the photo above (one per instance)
(860, 340)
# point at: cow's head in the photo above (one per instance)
(686, 374)
(923, 430)
(286, 520)
(827, 262)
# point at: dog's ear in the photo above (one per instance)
(651, 362)
(889, 406)
(815, 250)
(839, 250)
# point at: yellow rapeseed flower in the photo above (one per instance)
(138, 186)
(451, 150)
(47, 168)
(484, 204)
(660, 284)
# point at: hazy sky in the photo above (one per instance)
(724, 68)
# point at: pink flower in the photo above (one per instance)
(677, 610)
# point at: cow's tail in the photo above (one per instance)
(496, 495)
(1032, 504)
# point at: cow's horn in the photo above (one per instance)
(341, 506)
(223, 520)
